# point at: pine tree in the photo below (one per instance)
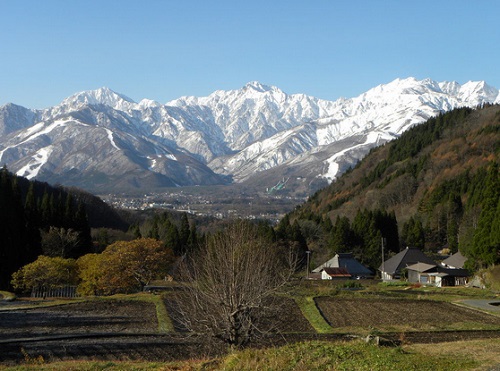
(33, 238)
(413, 234)
(486, 248)
(82, 226)
(45, 210)
(341, 236)
(136, 231)
(193, 237)
(184, 231)
(12, 227)
(69, 212)
(455, 211)
(171, 238)
(154, 231)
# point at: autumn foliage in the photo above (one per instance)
(124, 266)
(45, 272)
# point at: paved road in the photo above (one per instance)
(484, 304)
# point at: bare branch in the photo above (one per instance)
(230, 282)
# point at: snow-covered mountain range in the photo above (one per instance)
(102, 140)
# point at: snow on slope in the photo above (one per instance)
(386, 109)
(31, 169)
(237, 132)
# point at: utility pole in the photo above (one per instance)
(308, 252)
(383, 260)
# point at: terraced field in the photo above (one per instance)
(131, 328)
(407, 314)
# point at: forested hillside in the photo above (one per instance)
(36, 218)
(435, 187)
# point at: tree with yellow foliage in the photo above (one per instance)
(45, 273)
(124, 266)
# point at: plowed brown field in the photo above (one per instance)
(388, 314)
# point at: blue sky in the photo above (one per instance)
(162, 50)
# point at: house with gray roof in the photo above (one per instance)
(347, 261)
(457, 260)
(393, 268)
(437, 275)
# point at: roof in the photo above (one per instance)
(314, 276)
(336, 272)
(403, 259)
(346, 260)
(455, 272)
(421, 267)
(436, 270)
(457, 260)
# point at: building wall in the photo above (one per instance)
(325, 276)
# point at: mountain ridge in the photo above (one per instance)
(235, 134)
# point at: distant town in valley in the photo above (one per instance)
(221, 202)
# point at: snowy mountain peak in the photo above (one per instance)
(102, 95)
(478, 91)
(149, 103)
(257, 86)
(450, 87)
(403, 86)
(237, 133)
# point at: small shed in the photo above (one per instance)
(419, 272)
(334, 273)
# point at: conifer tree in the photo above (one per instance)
(341, 236)
(69, 212)
(486, 244)
(171, 237)
(455, 211)
(33, 238)
(45, 210)
(12, 227)
(154, 231)
(184, 231)
(193, 237)
(82, 226)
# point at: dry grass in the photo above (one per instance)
(486, 352)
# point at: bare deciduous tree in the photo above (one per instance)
(230, 282)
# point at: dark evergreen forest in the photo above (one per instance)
(36, 219)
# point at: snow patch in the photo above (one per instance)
(152, 163)
(110, 137)
(39, 159)
(39, 130)
(372, 138)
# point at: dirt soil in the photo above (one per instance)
(385, 314)
(127, 330)
(282, 316)
(106, 316)
(94, 330)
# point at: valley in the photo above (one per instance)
(221, 202)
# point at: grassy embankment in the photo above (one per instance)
(317, 355)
